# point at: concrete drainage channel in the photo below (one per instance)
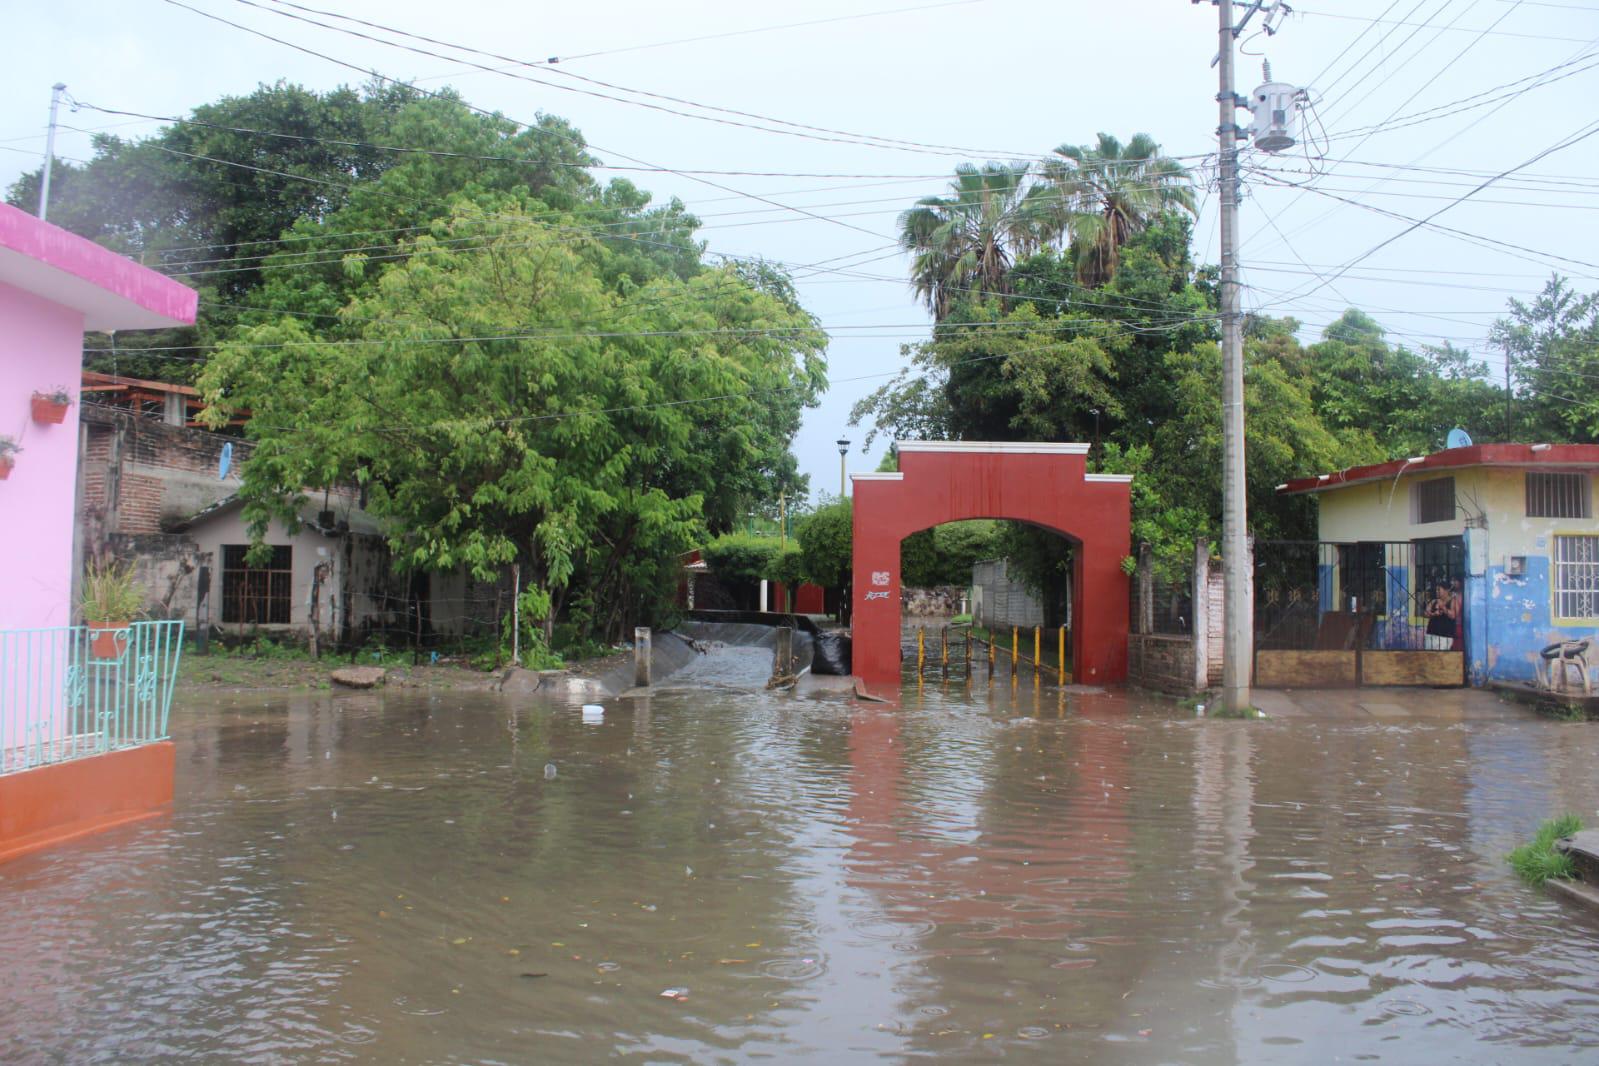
(738, 650)
(741, 652)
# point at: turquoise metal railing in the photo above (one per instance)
(74, 691)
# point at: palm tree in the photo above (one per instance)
(1110, 191)
(966, 241)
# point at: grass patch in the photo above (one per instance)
(1537, 861)
(1216, 710)
(1563, 712)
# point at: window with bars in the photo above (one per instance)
(1558, 496)
(257, 595)
(1577, 576)
(1432, 501)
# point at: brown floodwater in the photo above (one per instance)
(981, 873)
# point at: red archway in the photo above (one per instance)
(948, 481)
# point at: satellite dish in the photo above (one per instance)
(1459, 438)
(225, 461)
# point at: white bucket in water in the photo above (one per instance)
(593, 713)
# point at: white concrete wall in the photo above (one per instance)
(309, 548)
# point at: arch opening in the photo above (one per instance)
(970, 583)
(1041, 485)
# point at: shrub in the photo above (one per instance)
(735, 557)
(826, 539)
(110, 593)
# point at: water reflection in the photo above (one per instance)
(981, 871)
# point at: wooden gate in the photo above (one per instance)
(1363, 613)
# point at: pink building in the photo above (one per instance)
(81, 744)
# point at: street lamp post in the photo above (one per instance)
(843, 450)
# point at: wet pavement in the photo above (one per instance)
(982, 873)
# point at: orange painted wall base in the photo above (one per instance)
(53, 804)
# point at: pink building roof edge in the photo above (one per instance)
(1535, 456)
(69, 268)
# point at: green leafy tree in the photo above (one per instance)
(1003, 375)
(1110, 191)
(294, 201)
(826, 538)
(1552, 345)
(741, 557)
(494, 423)
(966, 241)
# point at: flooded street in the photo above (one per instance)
(982, 873)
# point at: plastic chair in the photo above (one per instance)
(1560, 656)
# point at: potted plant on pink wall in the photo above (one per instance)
(111, 600)
(50, 407)
(8, 456)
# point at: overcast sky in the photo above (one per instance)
(987, 79)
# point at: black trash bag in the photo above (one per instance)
(832, 655)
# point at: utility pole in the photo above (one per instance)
(1237, 626)
(49, 149)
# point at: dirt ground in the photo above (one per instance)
(231, 673)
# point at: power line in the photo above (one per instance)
(1502, 102)
(1425, 85)
(1179, 322)
(1405, 195)
(1581, 134)
(589, 230)
(814, 133)
(436, 153)
(553, 60)
(1456, 29)
(1455, 107)
(383, 77)
(1377, 43)
(1473, 238)
(747, 394)
(1357, 39)
(830, 134)
(1527, 184)
(599, 230)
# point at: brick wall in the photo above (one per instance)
(1181, 663)
(140, 476)
(1161, 662)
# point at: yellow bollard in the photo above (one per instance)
(943, 648)
(990, 643)
(1038, 650)
(921, 649)
(1060, 663)
(1015, 648)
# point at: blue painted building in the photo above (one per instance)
(1512, 523)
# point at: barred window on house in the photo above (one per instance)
(1432, 501)
(1558, 496)
(1577, 576)
(257, 595)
